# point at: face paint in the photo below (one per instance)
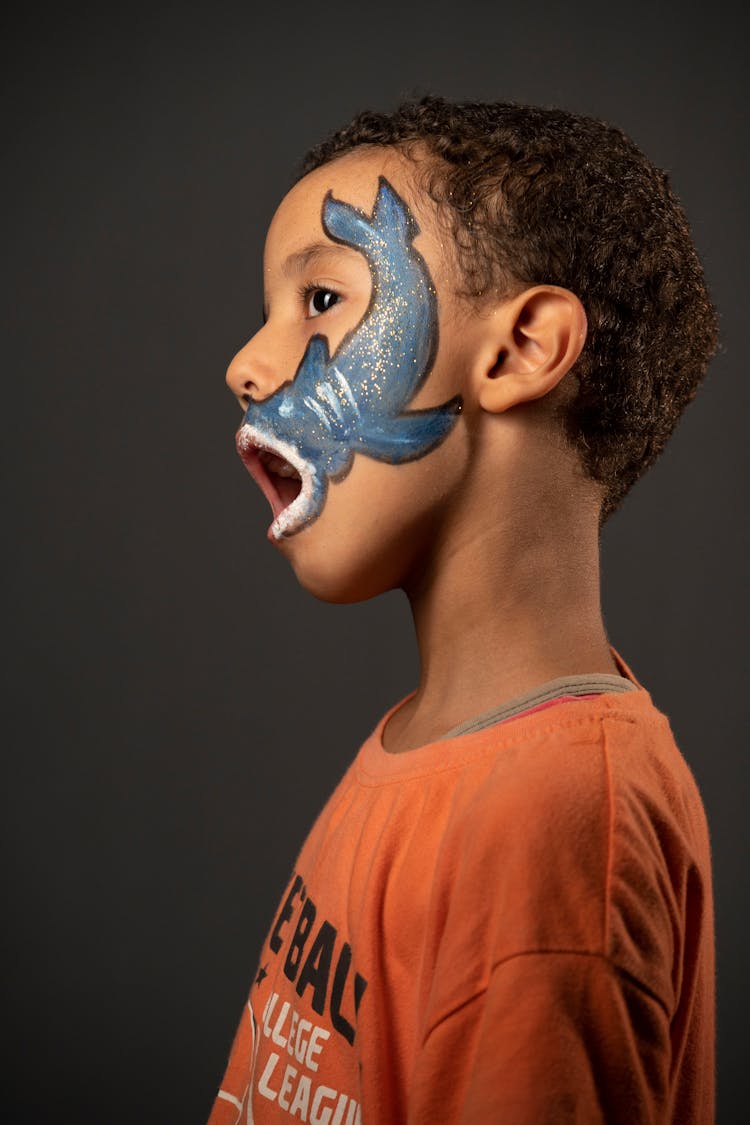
(354, 401)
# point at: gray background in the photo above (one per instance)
(174, 723)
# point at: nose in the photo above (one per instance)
(251, 375)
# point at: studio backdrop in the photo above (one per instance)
(179, 709)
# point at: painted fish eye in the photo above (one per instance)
(320, 300)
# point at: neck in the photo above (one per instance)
(506, 610)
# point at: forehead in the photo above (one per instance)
(353, 178)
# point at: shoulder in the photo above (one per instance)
(552, 773)
(532, 843)
(558, 768)
(578, 837)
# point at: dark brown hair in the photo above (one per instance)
(536, 196)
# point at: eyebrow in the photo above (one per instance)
(301, 259)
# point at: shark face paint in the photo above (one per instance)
(354, 401)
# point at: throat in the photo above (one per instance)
(288, 489)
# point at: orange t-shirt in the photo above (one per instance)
(513, 926)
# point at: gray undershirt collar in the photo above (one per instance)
(564, 685)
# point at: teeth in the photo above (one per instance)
(286, 470)
(277, 465)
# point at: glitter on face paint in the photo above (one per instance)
(355, 401)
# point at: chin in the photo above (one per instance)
(338, 576)
(328, 584)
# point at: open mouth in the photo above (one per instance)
(283, 477)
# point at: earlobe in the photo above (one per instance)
(532, 341)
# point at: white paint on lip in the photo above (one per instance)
(295, 514)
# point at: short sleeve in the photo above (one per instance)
(555, 1038)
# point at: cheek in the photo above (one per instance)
(379, 526)
(449, 373)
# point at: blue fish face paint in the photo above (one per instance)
(355, 400)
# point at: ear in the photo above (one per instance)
(531, 341)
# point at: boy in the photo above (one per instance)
(482, 324)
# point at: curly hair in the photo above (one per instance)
(539, 195)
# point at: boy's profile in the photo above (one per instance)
(482, 324)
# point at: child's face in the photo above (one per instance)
(366, 487)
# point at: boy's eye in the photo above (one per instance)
(320, 300)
